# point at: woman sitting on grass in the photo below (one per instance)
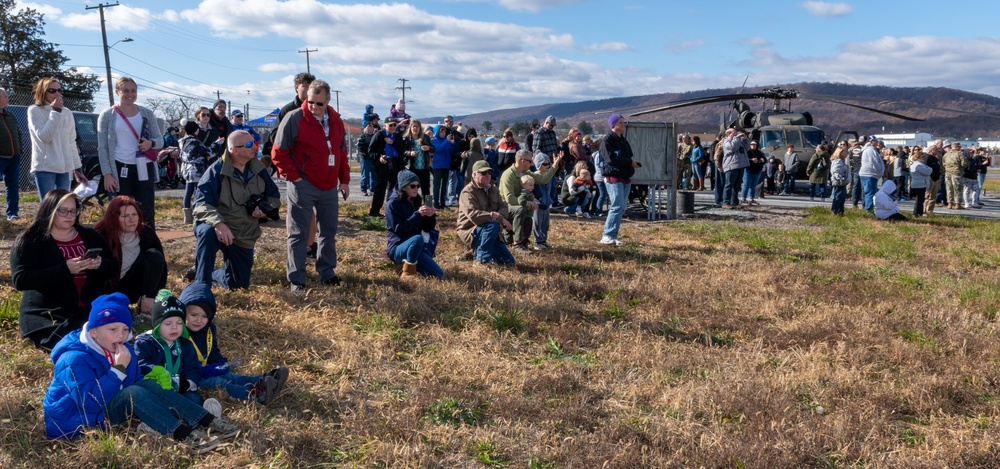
(410, 224)
(134, 244)
(60, 267)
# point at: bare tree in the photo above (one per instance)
(172, 109)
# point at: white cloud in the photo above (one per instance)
(274, 67)
(608, 47)
(536, 5)
(755, 42)
(827, 9)
(116, 19)
(50, 12)
(678, 47)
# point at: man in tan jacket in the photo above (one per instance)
(482, 214)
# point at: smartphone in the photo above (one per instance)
(92, 253)
(428, 200)
(638, 164)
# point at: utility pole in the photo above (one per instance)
(218, 95)
(403, 87)
(338, 100)
(107, 58)
(307, 51)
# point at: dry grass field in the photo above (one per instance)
(796, 340)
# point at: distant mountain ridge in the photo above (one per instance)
(829, 116)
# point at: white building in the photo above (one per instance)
(895, 140)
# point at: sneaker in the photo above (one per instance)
(263, 390)
(13, 217)
(521, 249)
(332, 281)
(199, 442)
(298, 289)
(280, 375)
(727, 206)
(586, 215)
(541, 246)
(189, 275)
(608, 240)
(144, 428)
(619, 243)
(213, 406)
(222, 429)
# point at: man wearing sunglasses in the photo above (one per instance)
(310, 151)
(225, 218)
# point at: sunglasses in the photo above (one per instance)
(413, 186)
(546, 164)
(249, 144)
(316, 103)
(54, 90)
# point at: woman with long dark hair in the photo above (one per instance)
(138, 250)
(60, 267)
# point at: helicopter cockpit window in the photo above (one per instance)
(772, 139)
(812, 137)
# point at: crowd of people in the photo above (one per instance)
(81, 286)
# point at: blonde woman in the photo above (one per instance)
(54, 154)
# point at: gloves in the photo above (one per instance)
(160, 376)
(214, 369)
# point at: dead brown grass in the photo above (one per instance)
(805, 340)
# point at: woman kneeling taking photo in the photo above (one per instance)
(410, 225)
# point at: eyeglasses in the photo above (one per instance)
(54, 90)
(413, 186)
(390, 125)
(316, 103)
(65, 212)
(446, 121)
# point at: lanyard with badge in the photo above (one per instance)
(331, 160)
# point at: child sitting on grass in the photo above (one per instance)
(576, 194)
(96, 378)
(162, 356)
(199, 304)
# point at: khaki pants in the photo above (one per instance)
(953, 184)
(931, 194)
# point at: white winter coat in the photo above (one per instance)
(53, 140)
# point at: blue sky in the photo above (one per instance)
(465, 56)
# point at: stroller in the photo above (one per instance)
(167, 163)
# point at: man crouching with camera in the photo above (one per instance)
(232, 195)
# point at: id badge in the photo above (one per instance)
(124, 172)
(332, 161)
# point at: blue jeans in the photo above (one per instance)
(839, 194)
(869, 185)
(157, 407)
(580, 201)
(817, 190)
(412, 251)
(718, 185)
(10, 171)
(856, 188)
(367, 175)
(789, 184)
(618, 199)
(731, 193)
(237, 386)
(696, 171)
(602, 196)
(749, 185)
(981, 177)
(456, 181)
(46, 181)
(488, 247)
(237, 261)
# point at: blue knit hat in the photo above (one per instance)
(614, 118)
(405, 177)
(109, 309)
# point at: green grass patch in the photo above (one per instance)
(9, 309)
(911, 437)
(489, 454)
(373, 223)
(507, 320)
(450, 411)
(919, 338)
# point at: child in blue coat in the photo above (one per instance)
(199, 305)
(96, 378)
(162, 356)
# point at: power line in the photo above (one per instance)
(174, 74)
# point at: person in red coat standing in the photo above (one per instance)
(310, 151)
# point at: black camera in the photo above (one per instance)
(259, 201)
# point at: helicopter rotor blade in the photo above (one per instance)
(836, 99)
(695, 102)
(879, 111)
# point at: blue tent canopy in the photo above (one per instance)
(269, 119)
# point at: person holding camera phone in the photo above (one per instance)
(226, 213)
(618, 171)
(61, 267)
(310, 151)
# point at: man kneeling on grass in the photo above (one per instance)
(482, 214)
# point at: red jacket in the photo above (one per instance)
(300, 149)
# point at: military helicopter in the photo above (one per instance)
(776, 125)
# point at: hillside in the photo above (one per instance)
(830, 116)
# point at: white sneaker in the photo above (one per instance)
(608, 240)
(586, 215)
(619, 243)
(213, 406)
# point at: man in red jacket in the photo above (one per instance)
(310, 151)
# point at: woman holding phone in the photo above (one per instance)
(410, 224)
(54, 154)
(124, 132)
(60, 267)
